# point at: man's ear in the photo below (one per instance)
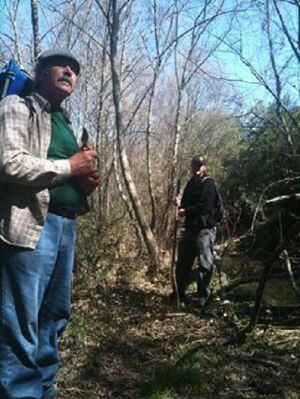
(46, 72)
(39, 75)
(43, 73)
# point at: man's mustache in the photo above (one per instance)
(65, 78)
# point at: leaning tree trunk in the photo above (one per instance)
(126, 171)
(126, 203)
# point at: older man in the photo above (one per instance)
(44, 181)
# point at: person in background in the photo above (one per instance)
(197, 205)
(45, 179)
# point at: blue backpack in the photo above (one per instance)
(13, 80)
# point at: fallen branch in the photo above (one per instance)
(285, 181)
(283, 198)
(294, 321)
(267, 363)
(249, 280)
(287, 340)
(178, 314)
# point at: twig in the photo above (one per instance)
(290, 271)
(178, 314)
(285, 341)
(267, 363)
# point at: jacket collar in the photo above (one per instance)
(46, 106)
(42, 102)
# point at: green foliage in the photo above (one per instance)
(99, 237)
(185, 377)
(92, 240)
(213, 135)
(165, 394)
(263, 161)
(79, 328)
(104, 241)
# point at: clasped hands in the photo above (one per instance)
(84, 167)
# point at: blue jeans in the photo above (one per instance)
(35, 294)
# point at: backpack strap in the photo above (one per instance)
(28, 102)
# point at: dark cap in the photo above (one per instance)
(47, 55)
(198, 161)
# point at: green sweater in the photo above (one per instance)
(63, 145)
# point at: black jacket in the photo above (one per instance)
(199, 200)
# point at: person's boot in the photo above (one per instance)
(203, 301)
(183, 300)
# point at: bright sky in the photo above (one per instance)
(248, 34)
(255, 48)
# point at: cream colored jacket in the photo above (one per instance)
(25, 171)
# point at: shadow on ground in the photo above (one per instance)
(121, 336)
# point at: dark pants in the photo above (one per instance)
(196, 243)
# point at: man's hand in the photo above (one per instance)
(176, 201)
(181, 212)
(83, 163)
(224, 221)
(90, 183)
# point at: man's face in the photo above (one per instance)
(58, 77)
(195, 168)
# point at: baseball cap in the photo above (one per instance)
(197, 160)
(47, 55)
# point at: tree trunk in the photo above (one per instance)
(35, 29)
(126, 203)
(126, 171)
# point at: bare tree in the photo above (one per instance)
(293, 41)
(188, 60)
(275, 72)
(12, 11)
(126, 201)
(35, 29)
(160, 53)
(113, 19)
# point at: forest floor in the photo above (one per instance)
(126, 341)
